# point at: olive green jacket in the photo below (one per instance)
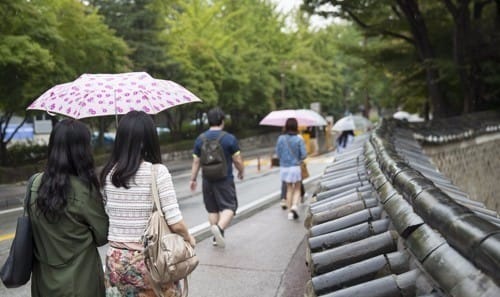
(67, 262)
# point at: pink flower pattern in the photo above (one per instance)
(125, 275)
(84, 97)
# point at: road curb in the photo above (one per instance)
(202, 231)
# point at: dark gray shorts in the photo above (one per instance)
(219, 195)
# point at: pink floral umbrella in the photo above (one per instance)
(93, 95)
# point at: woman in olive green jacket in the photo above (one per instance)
(68, 218)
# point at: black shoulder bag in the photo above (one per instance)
(17, 269)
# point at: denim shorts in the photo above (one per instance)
(290, 174)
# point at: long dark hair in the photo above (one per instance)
(342, 140)
(69, 154)
(136, 140)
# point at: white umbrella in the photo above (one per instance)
(352, 122)
(401, 115)
(305, 117)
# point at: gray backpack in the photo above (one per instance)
(212, 158)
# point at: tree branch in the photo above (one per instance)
(395, 10)
(17, 129)
(383, 31)
(451, 7)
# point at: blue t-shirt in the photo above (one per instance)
(229, 145)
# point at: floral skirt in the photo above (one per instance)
(126, 275)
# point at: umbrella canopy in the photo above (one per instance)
(94, 95)
(403, 115)
(305, 117)
(352, 122)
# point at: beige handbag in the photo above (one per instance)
(304, 173)
(168, 257)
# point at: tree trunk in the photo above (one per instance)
(426, 54)
(3, 153)
(461, 37)
(367, 106)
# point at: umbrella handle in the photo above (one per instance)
(116, 114)
(50, 113)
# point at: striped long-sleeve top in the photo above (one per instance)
(129, 209)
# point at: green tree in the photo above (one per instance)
(48, 42)
(452, 40)
(23, 61)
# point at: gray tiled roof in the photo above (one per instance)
(386, 222)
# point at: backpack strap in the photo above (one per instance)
(204, 137)
(222, 133)
(27, 196)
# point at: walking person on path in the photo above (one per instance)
(291, 150)
(68, 218)
(126, 180)
(215, 151)
(344, 140)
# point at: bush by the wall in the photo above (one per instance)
(25, 154)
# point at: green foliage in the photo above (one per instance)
(25, 154)
(43, 43)
(455, 39)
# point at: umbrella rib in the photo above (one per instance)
(148, 100)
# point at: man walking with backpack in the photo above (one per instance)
(215, 151)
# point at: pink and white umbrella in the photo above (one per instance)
(305, 117)
(93, 95)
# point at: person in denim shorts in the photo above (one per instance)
(291, 150)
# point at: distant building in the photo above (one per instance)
(42, 125)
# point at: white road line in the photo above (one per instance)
(11, 210)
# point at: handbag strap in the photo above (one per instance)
(154, 190)
(156, 206)
(291, 151)
(27, 195)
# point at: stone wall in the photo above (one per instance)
(246, 144)
(473, 165)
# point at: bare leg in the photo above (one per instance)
(289, 195)
(213, 218)
(296, 195)
(225, 218)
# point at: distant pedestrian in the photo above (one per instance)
(215, 151)
(313, 139)
(291, 151)
(283, 203)
(328, 136)
(344, 140)
(68, 218)
(126, 180)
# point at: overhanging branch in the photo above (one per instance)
(382, 31)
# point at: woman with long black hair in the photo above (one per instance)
(68, 218)
(126, 180)
(344, 140)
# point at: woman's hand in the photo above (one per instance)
(192, 240)
(181, 229)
